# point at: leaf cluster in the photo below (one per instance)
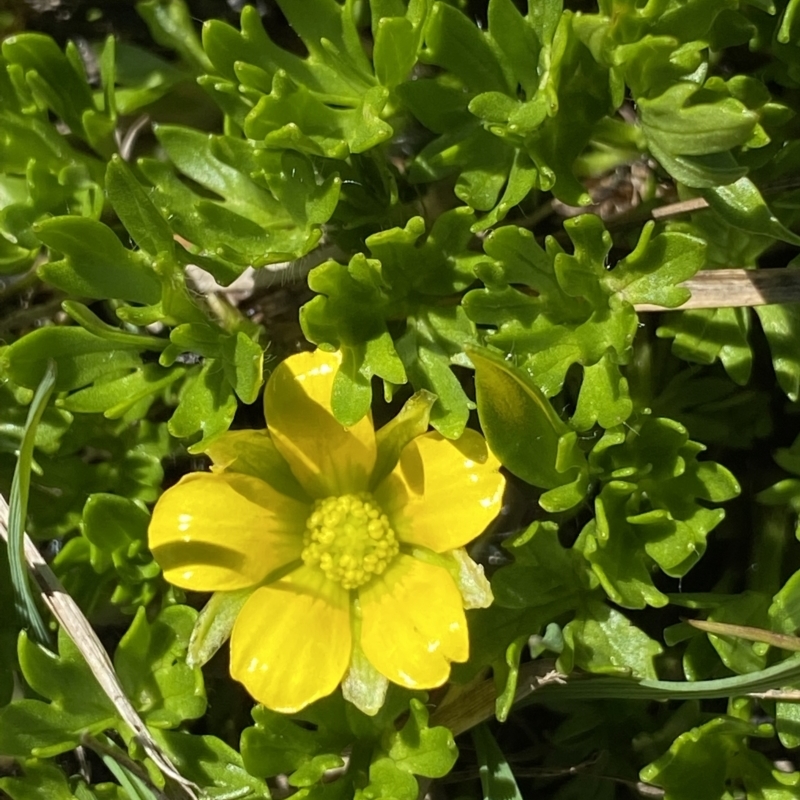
(424, 165)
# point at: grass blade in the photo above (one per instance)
(497, 779)
(24, 601)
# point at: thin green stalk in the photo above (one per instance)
(24, 601)
(539, 682)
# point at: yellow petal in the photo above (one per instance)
(225, 531)
(291, 642)
(413, 624)
(442, 494)
(327, 458)
(252, 452)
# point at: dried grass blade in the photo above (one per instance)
(77, 627)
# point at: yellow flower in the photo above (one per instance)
(354, 562)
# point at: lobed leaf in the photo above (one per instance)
(356, 303)
(649, 508)
(550, 310)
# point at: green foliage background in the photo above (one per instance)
(459, 197)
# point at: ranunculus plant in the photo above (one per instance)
(399, 387)
(350, 546)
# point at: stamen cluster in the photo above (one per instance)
(349, 538)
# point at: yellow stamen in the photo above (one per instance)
(349, 538)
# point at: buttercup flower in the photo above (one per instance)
(351, 546)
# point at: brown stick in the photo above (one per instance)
(736, 288)
(681, 207)
(469, 708)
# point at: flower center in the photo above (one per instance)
(349, 538)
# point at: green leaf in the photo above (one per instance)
(649, 509)
(524, 431)
(506, 674)
(281, 119)
(278, 744)
(420, 750)
(787, 724)
(518, 38)
(433, 341)
(680, 127)
(51, 76)
(14, 259)
(142, 77)
(395, 50)
(96, 265)
(275, 744)
(705, 761)
(781, 324)
(726, 414)
(511, 106)
(207, 404)
(151, 663)
(437, 264)
(329, 103)
(43, 176)
(331, 22)
(497, 779)
(618, 563)
(213, 626)
(136, 211)
(700, 172)
(129, 396)
(108, 58)
(387, 780)
(785, 609)
(549, 310)
(170, 25)
(349, 312)
(211, 764)
(331, 77)
(742, 206)
(80, 356)
(133, 785)
(78, 705)
(127, 462)
(741, 656)
(201, 338)
(115, 529)
(453, 42)
(49, 432)
(39, 780)
(604, 397)
(653, 271)
(112, 522)
(523, 177)
(600, 639)
(705, 335)
(544, 573)
(29, 188)
(356, 304)
(91, 322)
(243, 363)
(545, 582)
(271, 203)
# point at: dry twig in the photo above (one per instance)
(736, 288)
(77, 627)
